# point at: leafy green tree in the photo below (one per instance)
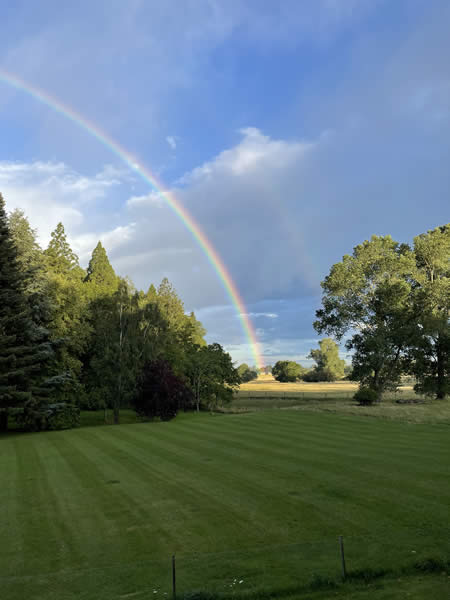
(348, 372)
(368, 296)
(25, 350)
(246, 374)
(429, 353)
(287, 371)
(213, 378)
(115, 363)
(329, 367)
(194, 330)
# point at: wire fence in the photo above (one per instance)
(266, 571)
(399, 395)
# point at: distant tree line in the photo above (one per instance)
(329, 366)
(75, 339)
(247, 373)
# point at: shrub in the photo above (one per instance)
(366, 396)
(62, 416)
(432, 565)
(161, 393)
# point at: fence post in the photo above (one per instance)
(174, 578)
(341, 545)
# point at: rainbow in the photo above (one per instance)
(189, 222)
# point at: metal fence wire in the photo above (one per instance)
(275, 571)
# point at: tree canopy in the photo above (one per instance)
(287, 371)
(329, 367)
(97, 332)
(25, 348)
(393, 304)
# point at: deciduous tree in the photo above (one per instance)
(329, 367)
(368, 296)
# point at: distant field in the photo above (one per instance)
(257, 498)
(266, 393)
(269, 383)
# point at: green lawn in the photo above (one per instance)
(259, 498)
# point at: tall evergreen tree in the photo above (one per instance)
(31, 262)
(25, 350)
(69, 300)
(170, 305)
(60, 256)
(100, 273)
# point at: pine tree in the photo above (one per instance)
(31, 262)
(100, 273)
(68, 297)
(24, 347)
(170, 305)
(60, 256)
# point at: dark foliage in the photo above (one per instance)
(161, 393)
(366, 396)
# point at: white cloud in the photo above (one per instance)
(151, 199)
(171, 140)
(51, 192)
(254, 152)
(113, 240)
(260, 314)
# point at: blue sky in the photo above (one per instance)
(291, 131)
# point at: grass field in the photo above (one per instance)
(260, 498)
(337, 397)
(267, 383)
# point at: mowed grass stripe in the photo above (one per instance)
(113, 497)
(139, 515)
(341, 494)
(325, 425)
(280, 468)
(256, 490)
(349, 450)
(207, 497)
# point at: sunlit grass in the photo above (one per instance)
(97, 512)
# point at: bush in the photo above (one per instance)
(161, 393)
(62, 416)
(366, 396)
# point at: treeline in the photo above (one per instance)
(329, 366)
(75, 339)
(390, 301)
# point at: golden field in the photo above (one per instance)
(267, 383)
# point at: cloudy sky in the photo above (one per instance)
(291, 131)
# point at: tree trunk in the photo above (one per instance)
(440, 358)
(377, 386)
(4, 420)
(198, 395)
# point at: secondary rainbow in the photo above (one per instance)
(199, 236)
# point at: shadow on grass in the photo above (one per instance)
(318, 583)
